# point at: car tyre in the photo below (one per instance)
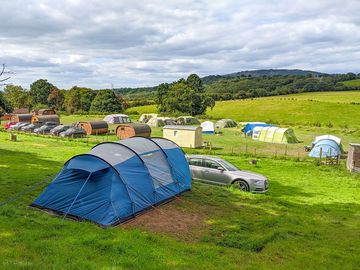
(242, 185)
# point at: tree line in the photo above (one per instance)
(43, 94)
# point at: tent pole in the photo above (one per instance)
(67, 212)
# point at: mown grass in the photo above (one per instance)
(308, 220)
(340, 109)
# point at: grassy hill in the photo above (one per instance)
(340, 109)
(352, 83)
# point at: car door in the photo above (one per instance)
(212, 173)
(196, 167)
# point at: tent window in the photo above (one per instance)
(175, 133)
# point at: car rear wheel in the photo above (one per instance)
(242, 185)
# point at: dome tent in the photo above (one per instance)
(117, 180)
(326, 146)
(225, 123)
(117, 119)
(160, 121)
(208, 127)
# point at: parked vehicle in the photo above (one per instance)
(19, 125)
(73, 132)
(58, 129)
(31, 127)
(44, 129)
(221, 172)
(9, 124)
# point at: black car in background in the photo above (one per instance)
(44, 129)
(31, 127)
(58, 129)
(73, 132)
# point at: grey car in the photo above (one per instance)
(73, 132)
(44, 129)
(218, 171)
(58, 129)
(31, 127)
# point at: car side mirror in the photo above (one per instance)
(220, 169)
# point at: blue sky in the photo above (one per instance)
(143, 43)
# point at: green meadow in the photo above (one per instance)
(309, 219)
(340, 109)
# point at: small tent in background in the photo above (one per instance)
(117, 119)
(225, 123)
(326, 148)
(330, 137)
(208, 127)
(274, 135)
(115, 181)
(144, 118)
(187, 120)
(248, 129)
(160, 121)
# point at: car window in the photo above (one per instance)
(228, 165)
(211, 164)
(196, 162)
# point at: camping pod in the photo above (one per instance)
(208, 127)
(46, 112)
(117, 119)
(326, 148)
(132, 130)
(21, 118)
(225, 123)
(353, 160)
(115, 181)
(20, 111)
(94, 127)
(45, 118)
(184, 136)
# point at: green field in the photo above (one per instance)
(352, 83)
(308, 220)
(340, 109)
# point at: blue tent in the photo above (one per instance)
(327, 147)
(116, 180)
(248, 129)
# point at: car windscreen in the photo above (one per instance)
(228, 166)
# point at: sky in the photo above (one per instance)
(103, 44)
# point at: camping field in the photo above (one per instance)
(309, 210)
(339, 109)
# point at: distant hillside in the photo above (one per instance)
(262, 72)
(352, 83)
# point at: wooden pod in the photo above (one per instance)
(131, 130)
(45, 118)
(46, 112)
(94, 127)
(21, 118)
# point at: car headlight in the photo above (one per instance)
(257, 181)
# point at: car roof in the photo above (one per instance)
(204, 157)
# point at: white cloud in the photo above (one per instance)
(138, 43)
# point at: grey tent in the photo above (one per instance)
(225, 123)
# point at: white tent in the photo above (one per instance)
(329, 137)
(117, 119)
(208, 127)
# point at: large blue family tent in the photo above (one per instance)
(249, 127)
(326, 148)
(117, 180)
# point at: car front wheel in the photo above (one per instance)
(242, 185)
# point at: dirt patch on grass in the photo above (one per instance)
(170, 219)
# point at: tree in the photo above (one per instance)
(87, 95)
(5, 106)
(56, 98)
(185, 96)
(72, 100)
(40, 91)
(17, 96)
(4, 75)
(106, 102)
